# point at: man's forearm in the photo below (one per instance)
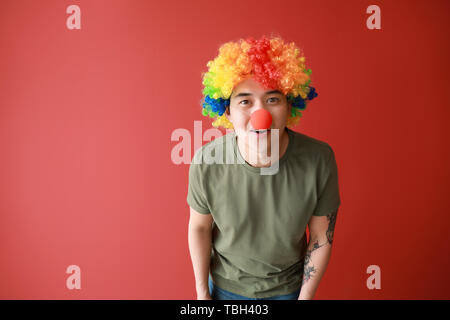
(200, 250)
(316, 261)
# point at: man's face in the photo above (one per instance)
(249, 96)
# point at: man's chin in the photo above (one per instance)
(259, 141)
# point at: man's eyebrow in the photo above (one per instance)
(273, 91)
(242, 94)
(245, 94)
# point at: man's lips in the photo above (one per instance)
(260, 131)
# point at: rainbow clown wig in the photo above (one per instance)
(272, 62)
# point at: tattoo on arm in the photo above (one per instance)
(309, 268)
(331, 217)
(307, 274)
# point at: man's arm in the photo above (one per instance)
(199, 238)
(321, 230)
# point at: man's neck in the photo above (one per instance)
(263, 159)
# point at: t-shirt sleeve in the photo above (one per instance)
(328, 187)
(196, 197)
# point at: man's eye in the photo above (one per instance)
(241, 102)
(273, 100)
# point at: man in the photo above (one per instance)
(247, 230)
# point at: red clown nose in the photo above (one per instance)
(261, 119)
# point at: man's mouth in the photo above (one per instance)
(260, 131)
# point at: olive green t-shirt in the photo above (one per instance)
(259, 229)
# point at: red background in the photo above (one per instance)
(86, 118)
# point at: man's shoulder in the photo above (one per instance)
(311, 145)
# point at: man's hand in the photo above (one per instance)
(305, 296)
(204, 297)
